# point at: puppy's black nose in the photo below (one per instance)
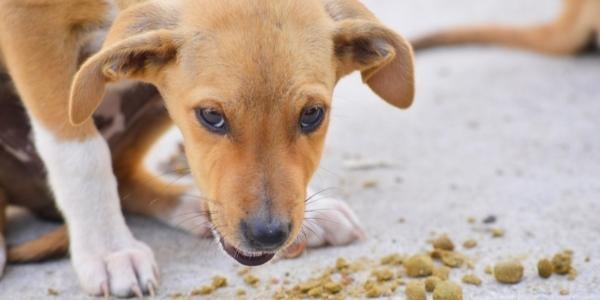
(265, 234)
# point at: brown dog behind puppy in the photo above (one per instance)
(575, 29)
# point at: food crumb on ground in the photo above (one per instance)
(447, 290)
(373, 291)
(452, 259)
(341, 264)
(251, 280)
(53, 292)
(369, 184)
(564, 291)
(315, 292)
(469, 244)
(415, 290)
(219, 281)
(497, 232)
(562, 262)
(441, 272)
(392, 259)
(443, 242)
(333, 287)
(489, 269)
(508, 271)
(431, 282)
(419, 266)
(471, 279)
(383, 274)
(203, 290)
(545, 268)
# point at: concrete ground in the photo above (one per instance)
(492, 132)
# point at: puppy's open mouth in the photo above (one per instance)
(245, 258)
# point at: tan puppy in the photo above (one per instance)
(577, 27)
(248, 83)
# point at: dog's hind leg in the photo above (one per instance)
(142, 192)
(568, 34)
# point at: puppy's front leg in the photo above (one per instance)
(104, 252)
(42, 63)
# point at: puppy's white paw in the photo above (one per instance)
(189, 216)
(123, 272)
(330, 221)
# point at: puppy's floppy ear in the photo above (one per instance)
(139, 58)
(384, 58)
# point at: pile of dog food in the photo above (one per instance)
(414, 276)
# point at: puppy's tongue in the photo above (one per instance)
(246, 259)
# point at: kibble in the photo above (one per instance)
(373, 291)
(333, 287)
(441, 272)
(471, 279)
(452, 259)
(53, 292)
(392, 259)
(415, 290)
(219, 281)
(251, 280)
(431, 282)
(419, 266)
(383, 274)
(469, 244)
(545, 268)
(562, 263)
(444, 243)
(447, 290)
(497, 232)
(203, 290)
(315, 292)
(489, 270)
(341, 264)
(508, 272)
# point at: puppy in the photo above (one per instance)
(577, 27)
(248, 84)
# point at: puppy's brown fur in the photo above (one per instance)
(577, 26)
(259, 62)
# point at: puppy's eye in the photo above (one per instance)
(311, 117)
(212, 119)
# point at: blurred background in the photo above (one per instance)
(494, 133)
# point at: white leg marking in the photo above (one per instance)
(331, 221)
(188, 215)
(80, 174)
